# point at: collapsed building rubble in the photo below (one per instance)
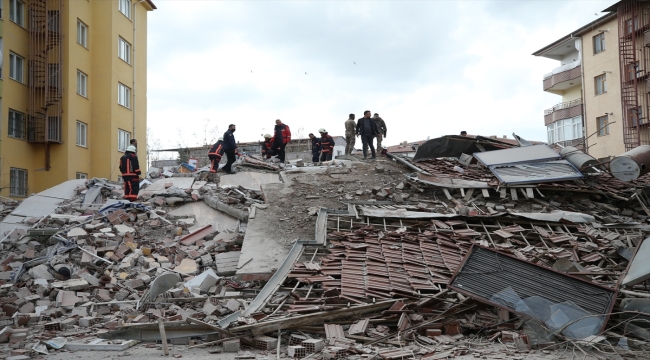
(431, 258)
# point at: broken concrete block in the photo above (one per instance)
(171, 201)
(77, 232)
(231, 345)
(379, 169)
(123, 229)
(187, 267)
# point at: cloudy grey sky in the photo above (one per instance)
(429, 68)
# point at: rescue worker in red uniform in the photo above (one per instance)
(327, 145)
(281, 138)
(130, 169)
(268, 149)
(215, 154)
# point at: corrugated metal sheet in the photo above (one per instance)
(537, 172)
(486, 272)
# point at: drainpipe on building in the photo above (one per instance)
(134, 62)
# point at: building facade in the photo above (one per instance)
(603, 82)
(73, 90)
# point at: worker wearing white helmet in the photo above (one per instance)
(327, 145)
(130, 169)
(268, 149)
(215, 154)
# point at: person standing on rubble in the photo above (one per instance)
(130, 169)
(349, 135)
(281, 139)
(315, 148)
(327, 145)
(367, 129)
(215, 154)
(230, 148)
(268, 149)
(381, 128)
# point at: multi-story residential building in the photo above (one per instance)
(72, 89)
(603, 82)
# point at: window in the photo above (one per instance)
(629, 29)
(82, 34)
(603, 127)
(54, 75)
(82, 131)
(599, 43)
(17, 12)
(16, 67)
(123, 139)
(54, 129)
(16, 124)
(82, 84)
(17, 182)
(564, 130)
(54, 21)
(601, 84)
(635, 116)
(124, 50)
(125, 7)
(123, 95)
(82, 176)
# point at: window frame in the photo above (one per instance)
(603, 83)
(84, 126)
(603, 130)
(11, 125)
(13, 186)
(81, 25)
(81, 176)
(122, 8)
(13, 9)
(13, 65)
(84, 76)
(600, 40)
(126, 97)
(126, 142)
(121, 43)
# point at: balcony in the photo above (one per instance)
(565, 110)
(563, 77)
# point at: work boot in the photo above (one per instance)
(231, 172)
(373, 157)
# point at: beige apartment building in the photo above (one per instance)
(603, 82)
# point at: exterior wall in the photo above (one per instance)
(609, 102)
(572, 93)
(99, 110)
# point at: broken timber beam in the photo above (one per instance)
(316, 318)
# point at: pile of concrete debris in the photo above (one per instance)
(450, 256)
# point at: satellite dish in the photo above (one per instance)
(161, 284)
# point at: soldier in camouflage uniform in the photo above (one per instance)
(381, 126)
(350, 125)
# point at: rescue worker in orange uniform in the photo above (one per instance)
(327, 145)
(130, 169)
(215, 154)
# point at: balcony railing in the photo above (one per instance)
(563, 73)
(565, 110)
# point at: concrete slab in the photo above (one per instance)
(205, 215)
(227, 263)
(249, 180)
(263, 254)
(158, 185)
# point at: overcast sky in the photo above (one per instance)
(429, 68)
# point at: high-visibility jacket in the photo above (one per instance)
(283, 133)
(216, 149)
(129, 165)
(327, 144)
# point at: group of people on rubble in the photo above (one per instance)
(322, 148)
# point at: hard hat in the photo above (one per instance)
(267, 136)
(130, 148)
(220, 138)
(322, 130)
